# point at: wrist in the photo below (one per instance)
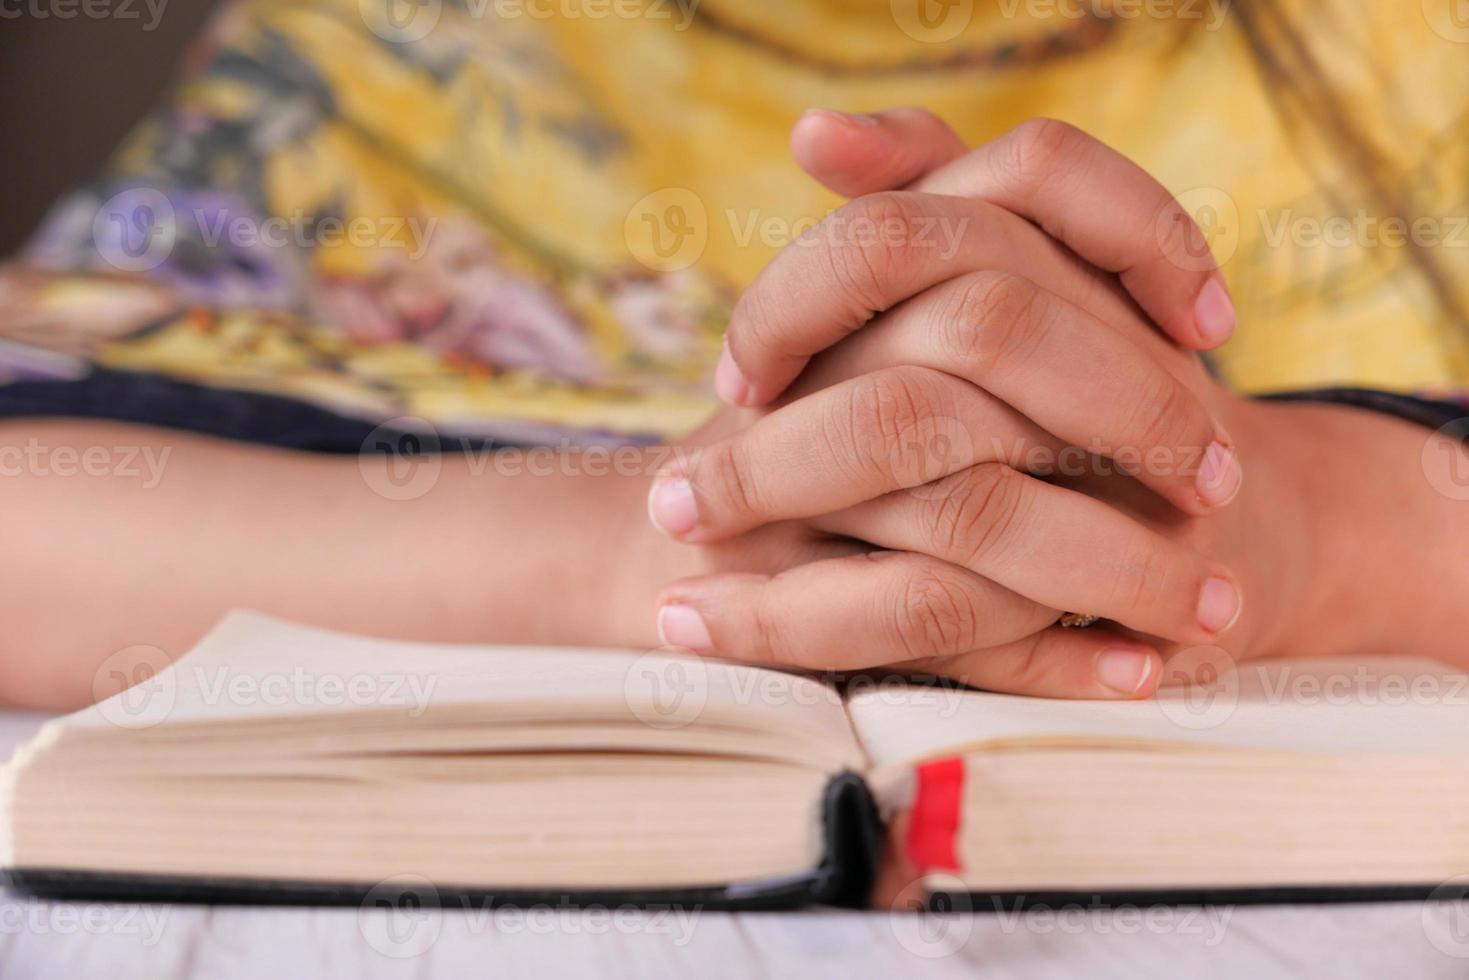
(1380, 572)
(635, 561)
(566, 554)
(1282, 535)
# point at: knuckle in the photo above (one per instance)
(1037, 672)
(1038, 148)
(725, 476)
(1179, 239)
(934, 616)
(1162, 416)
(868, 253)
(1142, 577)
(979, 514)
(773, 638)
(999, 322)
(888, 408)
(754, 321)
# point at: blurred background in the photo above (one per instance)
(99, 75)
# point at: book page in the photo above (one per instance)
(263, 673)
(1409, 706)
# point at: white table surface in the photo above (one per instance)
(157, 942)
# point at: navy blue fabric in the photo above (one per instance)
(1425, 411)
(274, 420)
(149, 399)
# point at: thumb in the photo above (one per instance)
(855, 154)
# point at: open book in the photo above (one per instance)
(282, 763)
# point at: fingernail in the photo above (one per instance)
(1219, 605)
(728, 381)
(682, 626)
(855, 118)
(671, 505)
(1219, 476)
(1124, 669)
(1214, 312)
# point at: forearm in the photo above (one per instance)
(1389, 505)
(154, 551)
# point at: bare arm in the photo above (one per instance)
(1361, 530)
(117, 535)
(1388, 502)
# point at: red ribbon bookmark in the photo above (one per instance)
(933, 823)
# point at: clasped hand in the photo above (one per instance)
(964, 403)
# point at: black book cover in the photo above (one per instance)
(853, 834)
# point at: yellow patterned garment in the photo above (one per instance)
(530, 218)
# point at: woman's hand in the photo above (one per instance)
(1015, 440)
(978, 556)
(965, 575)
(920, 434)
(1090, 201)
(968, 286)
